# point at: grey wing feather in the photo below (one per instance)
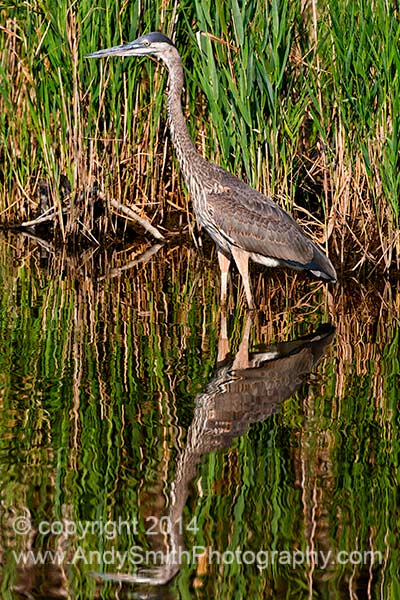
(256, 224)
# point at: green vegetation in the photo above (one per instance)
(304, 104)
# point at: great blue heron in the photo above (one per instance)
(242, 222)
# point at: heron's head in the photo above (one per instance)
(155, 44)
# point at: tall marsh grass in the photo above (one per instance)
(300, 99)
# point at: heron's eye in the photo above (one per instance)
(146, 43)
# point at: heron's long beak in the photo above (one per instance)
(135, 48)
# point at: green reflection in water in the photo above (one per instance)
(101, 378)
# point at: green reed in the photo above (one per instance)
(280, 94)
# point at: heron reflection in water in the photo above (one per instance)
(247, 389)
(242, 222)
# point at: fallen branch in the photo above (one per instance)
(48, 215)
(126, 211)
(132, 214)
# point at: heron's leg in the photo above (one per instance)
(224, 263)
(223, 341)
(241, 258)
(242, 356)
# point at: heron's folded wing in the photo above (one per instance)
(256, 224)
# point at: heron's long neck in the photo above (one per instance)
(187, 154)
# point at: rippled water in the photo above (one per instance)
(152, 447)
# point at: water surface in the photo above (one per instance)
(256, 455)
